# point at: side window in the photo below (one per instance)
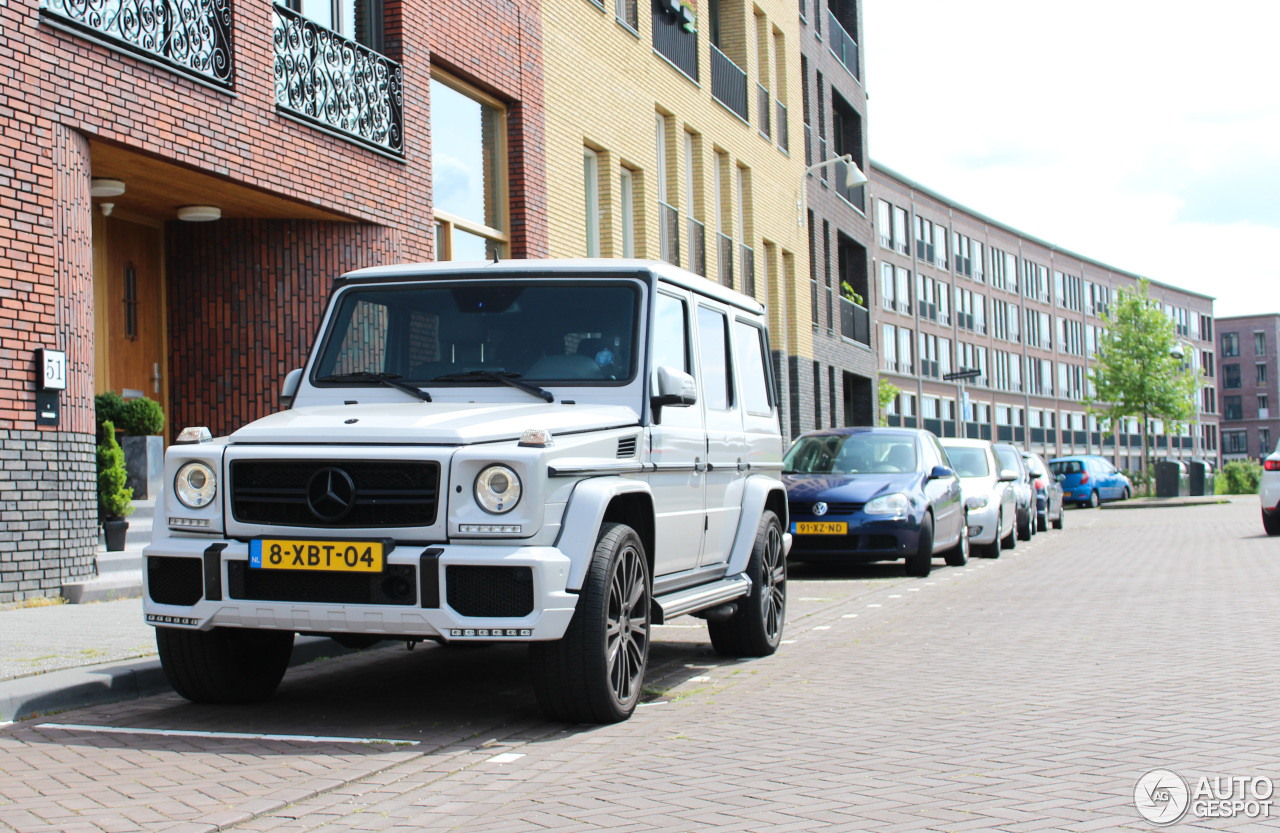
(929, 457)
(940, 453)
(713, 355)
(752, 378)
(670, 334)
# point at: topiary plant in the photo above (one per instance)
(114, 499)
(108, 407)
(141, 417)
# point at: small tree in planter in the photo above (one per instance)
(141, 421)
(115, 501)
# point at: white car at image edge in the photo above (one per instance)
(1269, 492)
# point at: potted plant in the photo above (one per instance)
(115, 500)
(140, 421)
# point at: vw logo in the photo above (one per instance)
(331, 493)
(819, 509)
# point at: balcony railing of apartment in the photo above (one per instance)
(854, 196)
(822, 157)
(748, 256)
(784, 141)
(855, 322)
(697, 247)
(762, 107)
(336, 83)
(728, 83)
(192, 36)
(669, 233)
(672, 41)
(843, 46)
(724, 253)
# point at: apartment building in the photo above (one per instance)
(836, 386)
(1248, 385)
(958, 290)
(181, 182)
(672, 134)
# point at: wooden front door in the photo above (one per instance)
(129, 309)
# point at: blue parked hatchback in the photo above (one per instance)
(1088, 479)
(874, 494)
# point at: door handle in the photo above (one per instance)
(698, 465)
(156, 375)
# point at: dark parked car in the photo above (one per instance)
(874, 494)
(1010, 458)
(1049, 501)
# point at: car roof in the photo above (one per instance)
(863, 429)
(964, 442)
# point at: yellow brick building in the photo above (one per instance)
(674, 132)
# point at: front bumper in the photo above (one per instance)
(424, 612)
(865, 540)
(1269, 493)
(984, 524)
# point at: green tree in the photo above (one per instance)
(886, 392)
(1134, 373)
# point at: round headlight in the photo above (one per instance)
(498, 490)
(195, 485)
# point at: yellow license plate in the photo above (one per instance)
(822, 528)
(333, 556)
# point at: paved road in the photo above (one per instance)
(1022, 694)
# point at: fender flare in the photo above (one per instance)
(580, 526)
(755, 495)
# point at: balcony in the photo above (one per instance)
(854, 195)
(843, 46)
(748, 256)
(697, 247)
(669, 233)
(762, 107)
(855, 322)
(784, 141)
(672, 40)
(337, 84)
(725, 254)
(190, 36)
(728, 83)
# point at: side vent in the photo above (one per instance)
(626, 448)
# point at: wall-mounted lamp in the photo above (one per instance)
(853, 177)
(105, 188)
(199, 213)
(107, 208)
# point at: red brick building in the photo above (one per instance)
(181, 180)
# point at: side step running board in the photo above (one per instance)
(697, 598)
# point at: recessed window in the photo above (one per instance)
(1230, 345)
(591, 198)
(468, 165)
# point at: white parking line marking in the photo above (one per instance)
(913, 589)
(897, 596)
(873, 605)
(822, 628)
(699, 679)
(787, 642)
(654, 703)
(505, 758)
(849, 616)
(183, 733)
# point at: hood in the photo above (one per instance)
(443, 423)
(850, 488)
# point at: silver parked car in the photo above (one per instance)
(1010, 457)
(988, 497)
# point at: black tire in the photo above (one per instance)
(1271, 523)
(1094, 500)
(1042, 521)
(755, 630)
(1026, 525)
(224, 665)
(992, 550)
(958, 556)
(921, 564)
(1010, 541)
(595, 672)
(1126, 494)
(1062, 513)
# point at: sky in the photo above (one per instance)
(1139, 133)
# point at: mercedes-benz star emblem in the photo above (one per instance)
(331, 493)
(819, 509)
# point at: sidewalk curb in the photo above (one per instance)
(1161, 503)
(113, 682)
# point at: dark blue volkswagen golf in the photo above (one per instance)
(874, 494)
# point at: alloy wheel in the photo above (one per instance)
(627, 626)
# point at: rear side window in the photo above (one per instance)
(713, 354)
(968, 462)
(1009, 458)
(751, 368)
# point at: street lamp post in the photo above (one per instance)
(853, 177)
(1179, 352)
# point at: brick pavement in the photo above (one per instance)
(1022, 694)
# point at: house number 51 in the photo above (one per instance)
(53, 364)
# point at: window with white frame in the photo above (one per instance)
(591, 198)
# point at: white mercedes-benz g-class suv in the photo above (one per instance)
(563, 453)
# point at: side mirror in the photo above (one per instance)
(940, 472)
(1037, 474)
(675, 388)
(290, 387)
(1007, 476)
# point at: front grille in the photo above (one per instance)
(386, 494)
(832, 508)
(396, 585)
(490, 591)
(175, 581)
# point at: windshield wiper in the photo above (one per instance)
(388, 379)
(506, 377)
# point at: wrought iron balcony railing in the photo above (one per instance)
(725, 254)
(783, 139)
(697, 247)
(762, 107)
(337, 83)
(748, 256)
(192, 36)
(728, 83)
(669, 233)
(843, 46)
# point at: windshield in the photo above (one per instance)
(583, 333)
(968, 461)
(851, 454)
